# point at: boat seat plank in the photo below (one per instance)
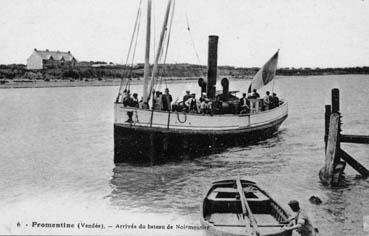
(233, 230)
(229, 219)
(265, 219)
(272, 225)
(229, 222)
(232, 190)
(251, 195)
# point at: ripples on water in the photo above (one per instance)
(57, 158)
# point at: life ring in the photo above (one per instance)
(179, 120)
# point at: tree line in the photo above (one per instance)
(101, 70)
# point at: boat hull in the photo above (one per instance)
(185, 135)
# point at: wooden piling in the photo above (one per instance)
(328, 112)
(335, 157)
(327, 172)
(335, 100)
(335, 94)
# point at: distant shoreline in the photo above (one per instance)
(115, 82)
(78, 83)
(87, 74)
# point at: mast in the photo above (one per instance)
(147, 53)
(158, 52)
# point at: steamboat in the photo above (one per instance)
(143, 133)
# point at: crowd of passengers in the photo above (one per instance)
(203, 105)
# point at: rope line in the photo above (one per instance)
(134, 54)
(194, 46)
(179, 120)
(130, 46)
(165, 51)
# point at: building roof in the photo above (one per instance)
(55, 55)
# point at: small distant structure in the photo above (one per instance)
(43, 59)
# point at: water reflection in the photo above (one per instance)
(142, 147)
(180, 185)
(72, 165)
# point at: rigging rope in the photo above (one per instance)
(165, 51)
(130, 46)
(154, 30)
(193, 45)
(133, 55)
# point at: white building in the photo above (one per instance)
(50, 59)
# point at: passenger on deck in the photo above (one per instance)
(301, 222)
(167, 100)
(266, 101)
(202, 100)
(208, 106)
(244, 104)
(187, 96)
(255, 94)
(175, 105)
(205, 105)
(140, 103)
(127, 100)
(275, 100)
(217, 107)
(134, 100)
(192, 104)
(158, 101)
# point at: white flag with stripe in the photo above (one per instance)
(265, 74)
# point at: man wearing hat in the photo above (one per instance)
(300, 221)
(167, 100)
(187, 96)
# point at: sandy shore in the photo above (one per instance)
(90, 83)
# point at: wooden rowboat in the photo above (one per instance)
(240, 207)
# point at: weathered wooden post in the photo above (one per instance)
(327, 173)
(328, 112)
(335, 100)
(335, 94)
(332, 171)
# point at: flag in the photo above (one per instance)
(265, 74)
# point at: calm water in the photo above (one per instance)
(57, 161)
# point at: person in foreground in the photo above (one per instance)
(301, 222)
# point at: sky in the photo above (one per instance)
(309, 33)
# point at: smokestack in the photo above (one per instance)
(212, 66)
